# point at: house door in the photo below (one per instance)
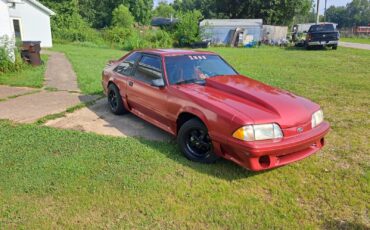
(17, 26)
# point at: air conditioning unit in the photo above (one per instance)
(15, 1)
(12, 3)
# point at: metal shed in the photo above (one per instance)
(275, 34)
(221, 31)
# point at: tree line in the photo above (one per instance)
(99, 12)
(355, 13)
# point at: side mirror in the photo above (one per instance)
(305, 31)
(158, 83)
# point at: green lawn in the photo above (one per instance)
(53, 178)
(356, 40)
(88, 64)
(29, 76)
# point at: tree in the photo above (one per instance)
(122, 17)
(97, 12)
(140, 9)
(187, 30)
(337, 15)
(356, 12)
(280, 12)
(164, 10)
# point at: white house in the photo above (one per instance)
(27, 20)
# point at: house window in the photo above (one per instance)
(17, 28)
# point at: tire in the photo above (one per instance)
(115, 100)
(335, 47)
(195, 143)
(306, 46)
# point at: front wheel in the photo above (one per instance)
(195, 143)
(335, 47)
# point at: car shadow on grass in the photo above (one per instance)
(222, 168)
(301, 48)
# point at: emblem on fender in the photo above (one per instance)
(300, 129)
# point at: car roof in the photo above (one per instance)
(173, 52)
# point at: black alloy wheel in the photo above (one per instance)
(195, 142)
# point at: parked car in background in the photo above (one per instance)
(213, 110)
(322, 35)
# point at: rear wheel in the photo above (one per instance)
(195, 142)
(306, 46)
(115, 100)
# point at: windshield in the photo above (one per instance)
(322, 27)
(195, 68)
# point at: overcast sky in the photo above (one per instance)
(322, 3)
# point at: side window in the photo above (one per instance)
(127, 65)
(149, 69)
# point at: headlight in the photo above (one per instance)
(258, 132)
(317, 118)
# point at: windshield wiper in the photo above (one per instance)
(186, 81)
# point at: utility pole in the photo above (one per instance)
(318, 12)
(326, 1)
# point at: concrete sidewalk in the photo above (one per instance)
(30, 108)
(354, 45)
(8, 91)
(59, 73)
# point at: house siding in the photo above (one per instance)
(5, 28)
(35, 23)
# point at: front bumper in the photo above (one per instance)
(322, 43)
(262, 155)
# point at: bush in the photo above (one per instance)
(73, 28)
(148, 39)
(187, 30)
(9, 61)
(116, 36)
(122, 17)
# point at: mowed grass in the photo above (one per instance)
(356, 40)
(27, 77)
(88, 63)
(68, 179)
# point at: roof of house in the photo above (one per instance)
(37, 4)
(159, 21)
(231, 22)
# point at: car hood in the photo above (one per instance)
(256, 101)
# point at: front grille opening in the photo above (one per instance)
(264, 161)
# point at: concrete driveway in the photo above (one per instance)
(98, 119)
(354, 45)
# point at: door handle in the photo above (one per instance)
(130, 83)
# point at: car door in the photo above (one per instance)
(146, 100)
(124, 70)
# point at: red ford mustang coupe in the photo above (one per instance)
(213, 110)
